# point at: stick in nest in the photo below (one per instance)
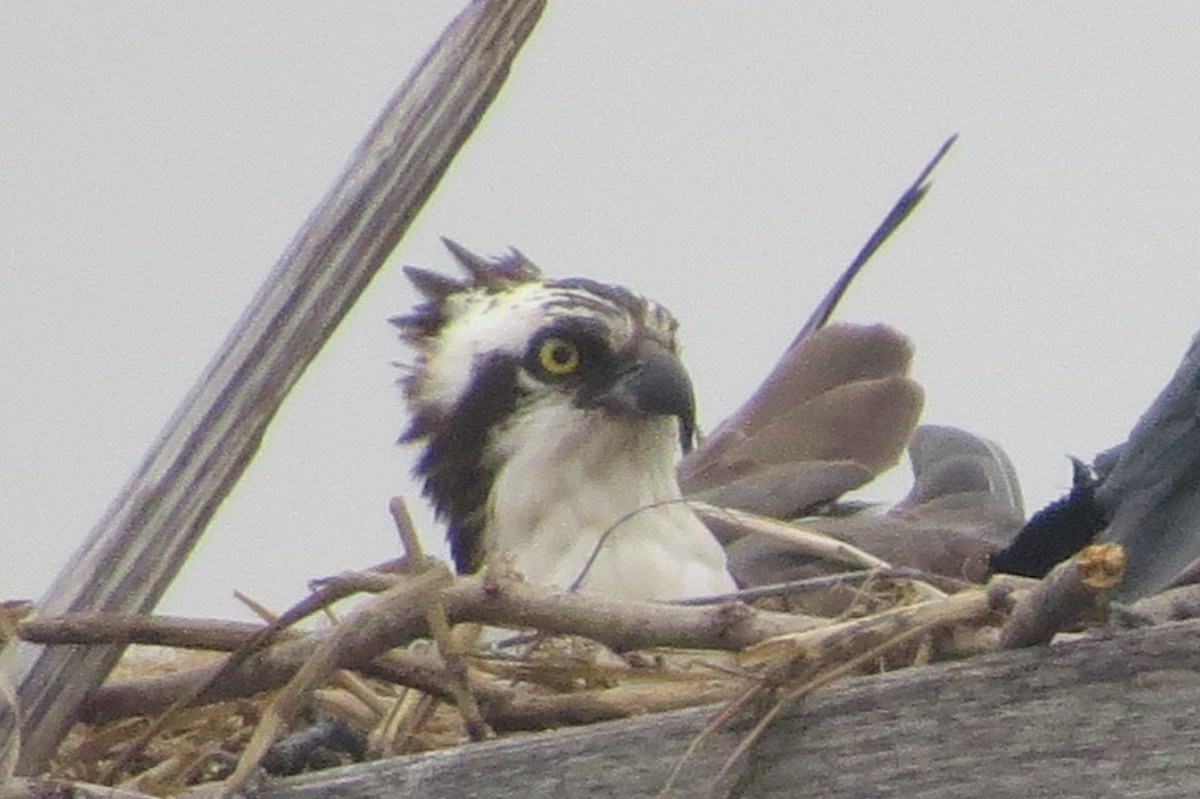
(805, 539)
(944, 584)
(439, 625)
(1069, 594)
(421, 590)
(820, 657)
(412, 592)
(386, 622)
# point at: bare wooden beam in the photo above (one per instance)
(135, 551)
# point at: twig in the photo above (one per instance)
(115, 628)
(382, 625)
(41, 787)
(259, 609)
(546, 711)
(619, 624)
(270, 669)
(439, 626)
(319, 667)
(407, 713)
(725, 715)
(413, 553)
(840, 642)
(355, 686)
(189, 693)
(577, 583)
(807, 539)
(505, 708)
(1072, 591)
(947, 585)
(834, 672)
(326, 591)
(341, 677)
(822, 656)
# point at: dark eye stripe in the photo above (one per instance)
(457, 474)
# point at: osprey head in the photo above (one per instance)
(549, 410)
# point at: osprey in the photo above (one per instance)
(552, 413)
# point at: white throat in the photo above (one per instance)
(571, 477)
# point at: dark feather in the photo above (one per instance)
(457, 475)
(1056, 532)
(900, 211)
(433, 285)
(479, 268)
(496, 274)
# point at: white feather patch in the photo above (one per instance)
(483, 323)
(571, 475)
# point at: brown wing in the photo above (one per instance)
(838, 399)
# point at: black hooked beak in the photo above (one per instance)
(653, 382)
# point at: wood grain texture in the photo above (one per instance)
(615, 759)
(1115, 717)
(135, 551)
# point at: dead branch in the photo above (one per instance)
(1074, 591)
(525, 713)
(503, 707)
(115, 628)
(268, 669)
(839, 643)
(620, 625)
(393, 620)
(805, 662)
(326, 591)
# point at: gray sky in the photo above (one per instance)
(726, 159)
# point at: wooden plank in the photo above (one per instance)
(614, 759)
(135, 551)
(1114, 717)
(1117, 717)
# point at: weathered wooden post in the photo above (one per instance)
(140, 544)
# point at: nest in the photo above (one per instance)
(403, 671)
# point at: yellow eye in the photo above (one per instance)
(557, 356)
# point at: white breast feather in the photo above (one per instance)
(568, 476)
